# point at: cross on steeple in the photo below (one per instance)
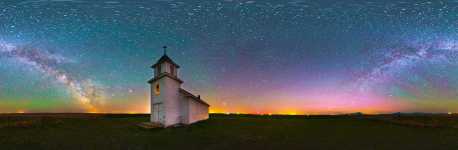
(165, 50)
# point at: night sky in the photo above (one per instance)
(288, 57)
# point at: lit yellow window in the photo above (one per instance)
(157, 89)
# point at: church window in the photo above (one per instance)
(157, 89)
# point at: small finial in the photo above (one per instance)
(165, 50)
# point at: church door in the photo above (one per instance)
(158, 113)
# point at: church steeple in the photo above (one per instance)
(165, 66)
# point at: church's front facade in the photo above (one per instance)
(170, 104)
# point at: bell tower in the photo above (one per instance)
(165, 65)
(165, 86)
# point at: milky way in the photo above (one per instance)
(294, 57)
(85, 91)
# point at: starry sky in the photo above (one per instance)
(242, 56)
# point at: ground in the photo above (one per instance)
(98, 131)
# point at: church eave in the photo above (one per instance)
(164, 75)
(154, 66)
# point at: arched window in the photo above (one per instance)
(157, 89)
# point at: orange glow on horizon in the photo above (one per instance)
(267, 109)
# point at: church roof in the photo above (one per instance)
(196, 98)
(165, 58)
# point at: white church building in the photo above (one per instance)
(171, 104)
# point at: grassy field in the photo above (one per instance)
(96, 131)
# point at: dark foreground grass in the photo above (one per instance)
(84, 131)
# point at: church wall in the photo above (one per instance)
(185, 109)
(156, 99)
(169, 98)
(153, 100)
(197, 111)
(170, 92)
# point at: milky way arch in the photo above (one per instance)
(412, 68)
(85, 91)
